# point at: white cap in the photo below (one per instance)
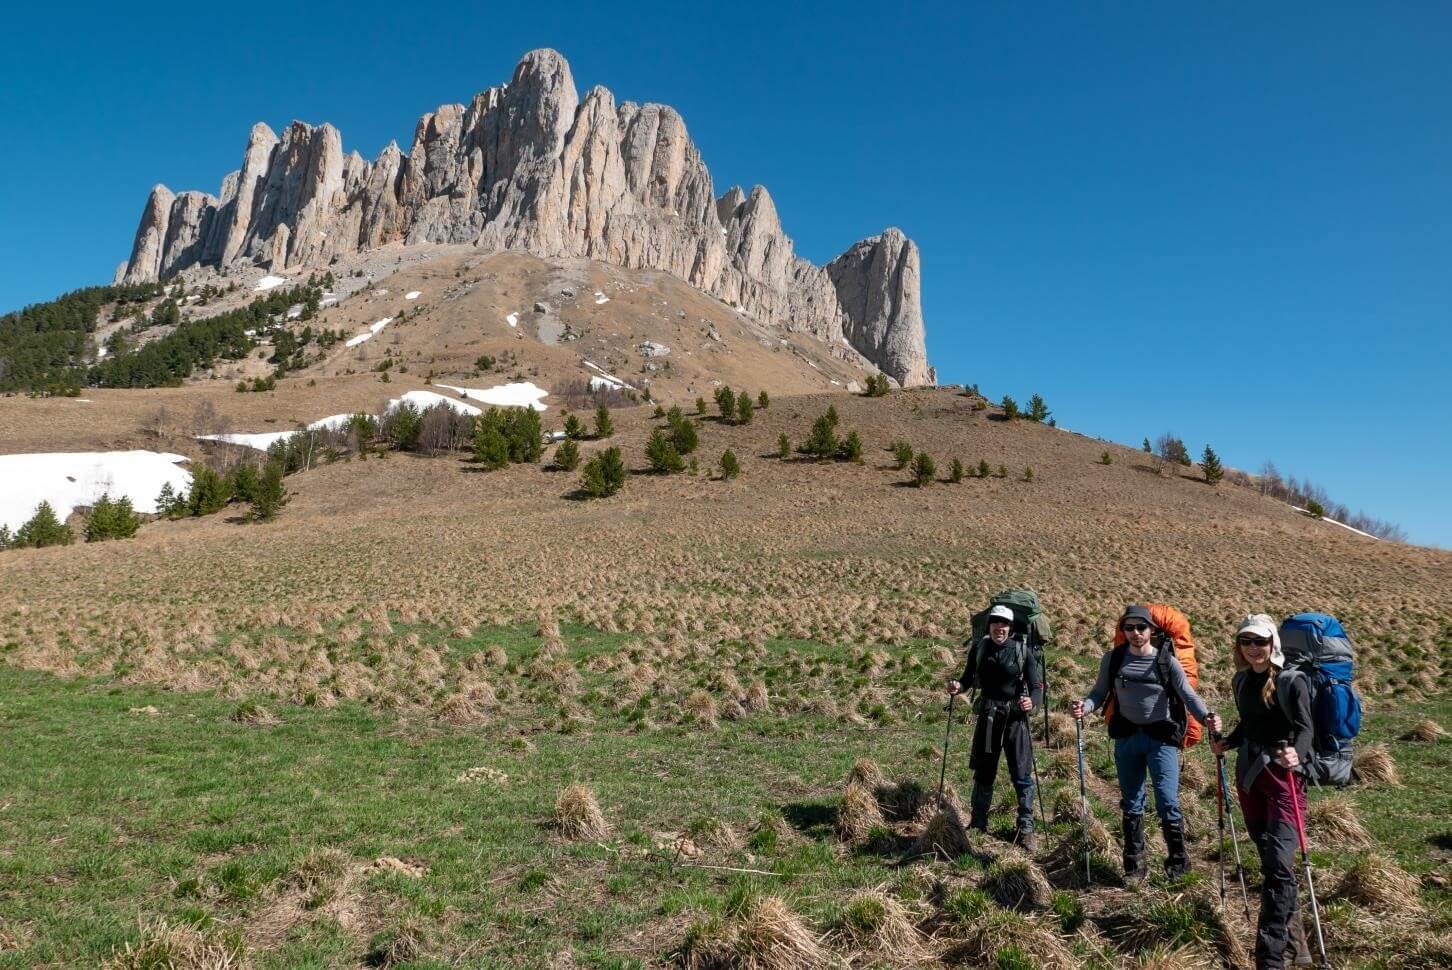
(1262, 625)
(1000, 613)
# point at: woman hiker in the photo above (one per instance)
(1273, 738)
(1150, 697)
(1010, 681)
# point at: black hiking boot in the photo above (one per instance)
(1024, 837)
(1133, 828)
(1177, 862)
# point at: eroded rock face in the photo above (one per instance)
(529, 166)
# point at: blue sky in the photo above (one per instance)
(1232, 221)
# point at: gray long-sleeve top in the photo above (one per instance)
(1138, 696)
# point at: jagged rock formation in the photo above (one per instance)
(529, 166)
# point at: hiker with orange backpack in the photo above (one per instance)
(1273, 741)
(1146, 696)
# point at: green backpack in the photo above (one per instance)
(1028, 617)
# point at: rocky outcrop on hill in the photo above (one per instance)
(529, 166)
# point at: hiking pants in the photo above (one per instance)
(1133, 757)
(1006, 731)
(1270, 822)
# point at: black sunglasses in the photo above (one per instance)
(1248, 641)
(1135, 627)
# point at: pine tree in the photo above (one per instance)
(684, 437)
(902, 453)
(604, 427)
(783, 446)
(244, 480)
(955, 471)
(662, 455)
(574, 429)
(831, 415)
(43, 529)
(744, 410)
(763, 401)
(209, 492)
(1028, 474)
(851, 448)
(1210, 464)
(983, 468)
(491, 449)
(567, 456)
(1146, 447)
(822, 442)
(726, 402)
(700, 405)
(7, 539)
(271, 494)
(401, 426)
(1002, 471)
(923, 470)
(730, 467)
(112, 519)
(1106, 458)
(604, 474)
(1010, 408)
(1038, 409)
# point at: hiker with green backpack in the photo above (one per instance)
(1144, 689)
(1005, 665)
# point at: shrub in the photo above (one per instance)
(604, 427)
(1210, 465)
(744, 409)
(955, 470)
(831, 415)
(983, 468)
(659, 411)
(43, 529)
(209, 492)
(1171, 448)
(822, 442)
(567, 456)
(700, 405)
(1105, 458)
(490, 447)
(1002, 471)
(876, 385)
(783, 446)
(726, 402)
(1010, 408)
(902, 453)
(575, 428)
(730, 467)
(604, 474)
(7, 539)
(114, 519)
(662, 455)
(923, 470)
(1146, 447)
(851, 448)
(979, 404)
(271, 496)
(1038, 409)
(483, 362)
(401, 426)
(1315, 509)
(243, 480)
(684, 437)
(1028, 474)
(763, 401)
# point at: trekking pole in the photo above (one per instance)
(1306, 862)
(1084, 804)
(1227, 808)
(943, 773)
(1038, 788)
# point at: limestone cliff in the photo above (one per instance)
(530, 166)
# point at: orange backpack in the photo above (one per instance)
(1176, 626)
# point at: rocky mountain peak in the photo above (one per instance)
(529, 166)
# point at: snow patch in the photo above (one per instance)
(355, 341)
(601, 298)
(375, 327)
(268, 282)
(423, 400)
(412, 295)
(512, 319)
(261, 441)
(520, 394)
(67, 480)
(1348, 528)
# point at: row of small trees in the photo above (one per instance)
(1038, 410)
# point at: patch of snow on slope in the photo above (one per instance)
(512, 319)
(375, 327)
(261, 441)
(601, 298)
(355, 341)
(412, 295)
(268, 282)
(521, 394)
(1348, 528)
(423, 400)
(67, 480)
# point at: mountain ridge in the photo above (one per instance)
(530, 166)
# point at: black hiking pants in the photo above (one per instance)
(1002, 729)
(1277, 843)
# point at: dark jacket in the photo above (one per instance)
(1263, 728)
(1003, 673)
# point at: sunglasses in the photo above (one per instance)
(1135, 627)
(1253, 641)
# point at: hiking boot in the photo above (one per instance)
(1133, 828)
(1025, 839)
(1298, 951)
(1177, 862)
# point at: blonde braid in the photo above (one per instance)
(1268, 692)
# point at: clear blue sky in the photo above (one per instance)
(1232, 221)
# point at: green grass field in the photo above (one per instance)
(111, 816)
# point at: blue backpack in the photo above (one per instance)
(1316, 645)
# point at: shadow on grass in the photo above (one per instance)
(811, 818)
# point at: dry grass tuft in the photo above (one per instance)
(902, 801)
(578, 815)
(1187, 957)
(858, 814)
(760, 933)
(1425, 731)
(318, 876)
(867, 772)
(1374, 765)
(1007, 939)
(1333, 822)
(166, 947)
(1015, 882)
(944, 836)
(874, 921)
(702, 708)
(461, 710)
(403, 944)
(1379, 884)
(757, 699)
(253, 713)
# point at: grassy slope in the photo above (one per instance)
(109, 815)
